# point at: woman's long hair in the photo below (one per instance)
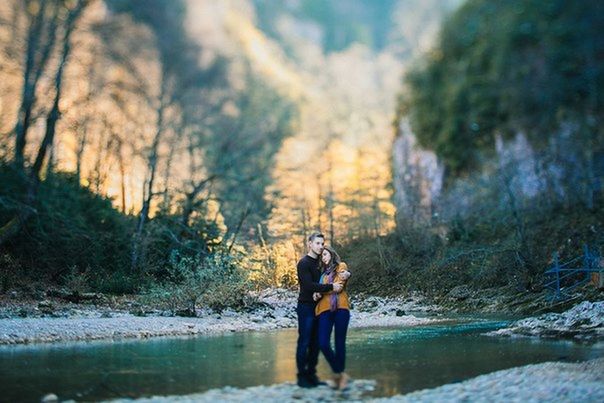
(329, 270)
(333, 262)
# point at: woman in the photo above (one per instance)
(333, 311)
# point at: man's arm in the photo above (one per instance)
(342, 275)
(306, 282)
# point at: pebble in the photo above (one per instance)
(357, 391)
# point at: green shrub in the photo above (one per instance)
(214, 281)
(9, 273)
(487, 255)
(73, 230)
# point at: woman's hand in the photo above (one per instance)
(316, 296)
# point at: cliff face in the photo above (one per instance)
(512, 176)
(417, 176)
(517, 158)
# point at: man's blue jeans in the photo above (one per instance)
(307, 352)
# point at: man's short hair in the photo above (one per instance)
(314, 235)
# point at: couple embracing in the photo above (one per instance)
(322, 307)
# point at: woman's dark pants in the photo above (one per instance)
(339, 320)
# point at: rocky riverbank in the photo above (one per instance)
(509, 300)
(583, 322)
(546, 382)
(55, 321)
(52, 318)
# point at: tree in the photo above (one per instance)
(43, 20)
(73, 11)
(508, 67)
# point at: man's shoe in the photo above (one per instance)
(315, 380)
(304, 382)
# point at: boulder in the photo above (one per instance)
(51, 397)
(460, 293)
(584, 321)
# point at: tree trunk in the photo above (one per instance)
(80, 151)
(50, 165)
(152, 169)
(320, 204)
(179, 134)
(190, 200)
(330, 201)
(54, 114)
(83, 140)
(120, 160)
(31, 76)
(246, 212)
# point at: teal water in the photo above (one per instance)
(401, 360)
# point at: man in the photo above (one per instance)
(307, 352)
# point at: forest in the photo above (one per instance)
(498, 160)
(149, 149)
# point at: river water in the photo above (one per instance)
(401, 360)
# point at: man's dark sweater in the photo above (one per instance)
(308, 278)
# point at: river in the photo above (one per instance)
(401, 360)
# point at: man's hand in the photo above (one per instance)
(337, 287)
(316, 296)
(345, 275)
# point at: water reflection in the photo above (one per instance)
(401, 360)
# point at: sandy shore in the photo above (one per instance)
(278, 312)
(547, 382)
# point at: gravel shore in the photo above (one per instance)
(547, 382)
(584, 322)
(278, 312)
(48, 322)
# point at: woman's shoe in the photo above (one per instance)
(344, 380)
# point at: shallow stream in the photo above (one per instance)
(401, 360)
